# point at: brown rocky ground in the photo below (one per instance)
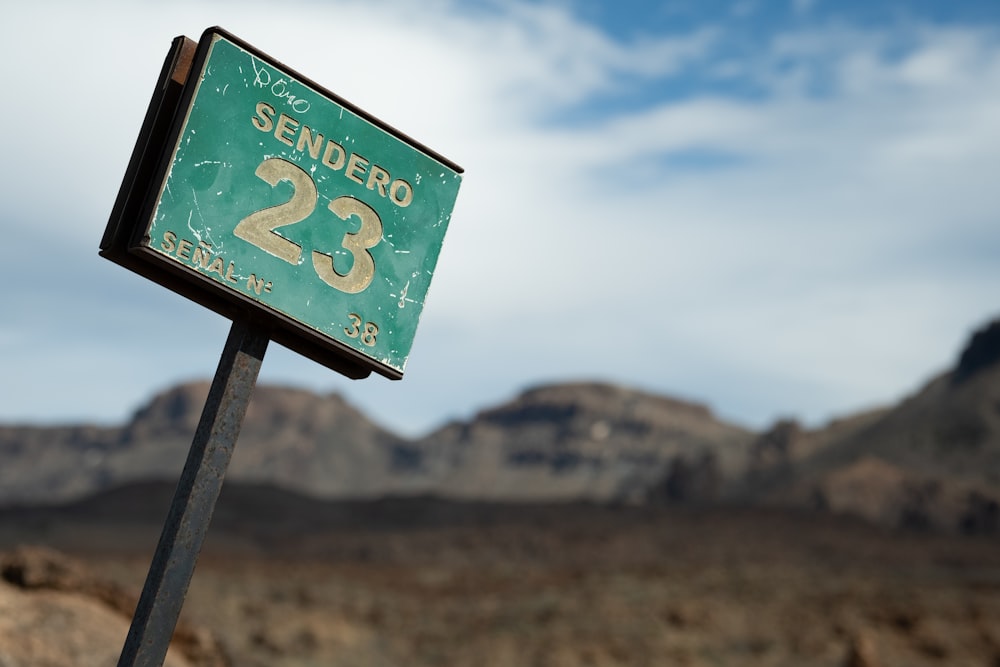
(422, 582)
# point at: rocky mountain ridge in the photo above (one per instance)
(590, 441)
(929, 462)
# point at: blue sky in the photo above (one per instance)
(780, 209)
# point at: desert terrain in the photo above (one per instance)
(415, 582)
(583, 524)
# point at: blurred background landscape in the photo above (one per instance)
(583, 523)
(709, 374)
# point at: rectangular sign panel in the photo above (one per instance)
(273, 193)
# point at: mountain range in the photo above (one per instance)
(930, 462)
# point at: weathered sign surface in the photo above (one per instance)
(274, 193)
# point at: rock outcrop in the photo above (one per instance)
(54, 611)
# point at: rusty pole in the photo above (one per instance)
(194, 500)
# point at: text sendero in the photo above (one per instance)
(332, 155)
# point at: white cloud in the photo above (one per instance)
(791, 277)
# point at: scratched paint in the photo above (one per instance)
(245, 111)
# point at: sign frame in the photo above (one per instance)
(126, 241)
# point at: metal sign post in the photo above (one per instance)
(257, 193)
(194, 500)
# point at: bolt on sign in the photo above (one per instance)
(254, 190)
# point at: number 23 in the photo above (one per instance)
(258, 227)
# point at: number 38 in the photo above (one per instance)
(258, 228)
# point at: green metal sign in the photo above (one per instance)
(284, 196)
